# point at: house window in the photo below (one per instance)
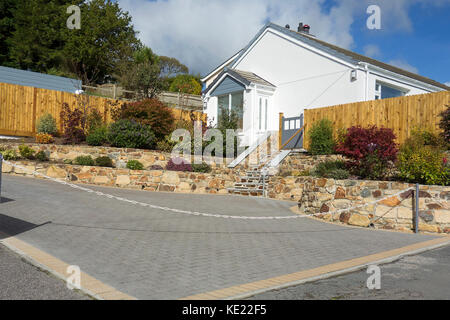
(263, 115)
(383, 91)
(231, 104)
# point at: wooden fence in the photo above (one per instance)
(20, 107)
(400, 114)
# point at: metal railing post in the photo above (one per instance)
(1, 162)
(416, 211)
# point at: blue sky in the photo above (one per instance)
(425, 46)
(414, 34)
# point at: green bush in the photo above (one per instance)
(321, 138)
(203, 168)
(104, 162)
(135, 165)
(422, 163)
(97, 137)
(130, 134)
(165, 145)
(84, 161)
(94, 121)
(41, 156)
(47, 124)
(331, 170)
(9, 154)
(68, 161)
(26, 152)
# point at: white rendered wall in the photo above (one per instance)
(283, 63)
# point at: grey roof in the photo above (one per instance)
(244, 77)
(341, 53)
(38, 80)
(250, 77)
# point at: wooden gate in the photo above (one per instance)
(291, 132)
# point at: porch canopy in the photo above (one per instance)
(233, 80)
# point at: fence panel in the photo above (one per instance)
(21, 106)
(400, 114)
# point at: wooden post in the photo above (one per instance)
(280, 132)
(34, 110)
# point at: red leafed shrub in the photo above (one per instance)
(371, 151)
(178, 164)
(150, 112)
(73, 125)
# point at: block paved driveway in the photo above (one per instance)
(151, 254)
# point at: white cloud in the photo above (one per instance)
(203, 33)
(372, 51)
(403, 64)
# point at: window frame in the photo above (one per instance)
(229, 96)
(379, 90)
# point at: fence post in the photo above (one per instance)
(1, 162)
(280, 132)
(416, 211)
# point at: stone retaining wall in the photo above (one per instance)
(120, 156)
(298, 162)
(159, 180)
(396, 212)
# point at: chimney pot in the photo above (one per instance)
(288, 26)
(300, 27)
(306, 28)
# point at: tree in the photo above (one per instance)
(106, 37)
(186, 83)
(35, 40)
(6, 29)
(171, 66)
(142, 74)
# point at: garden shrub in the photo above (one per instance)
(150, 112)
(166, 145)
(41, 156)
(422, 162)
(303, 173)
(332, 170)
(445, 125)
(9, 154)
(94, 121)
(321, 138)
(44, 138)
(372, 151)
(68, 161)
(84, 161)
(156, 167)
(179, 164)
(47, 124)
(26, 152)
(104, 162)
(135, 165)
(97, 137)
(130, 134)
(73, 125)
(203, 168)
